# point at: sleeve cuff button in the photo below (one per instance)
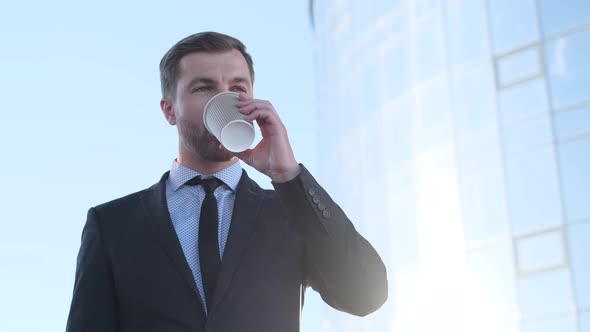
(311, 191)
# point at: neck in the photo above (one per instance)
(195, 162)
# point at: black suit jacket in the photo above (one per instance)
(132, 274)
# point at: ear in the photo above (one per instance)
(168, 110)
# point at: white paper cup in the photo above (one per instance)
(224, 121)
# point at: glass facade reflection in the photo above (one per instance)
(469, 123)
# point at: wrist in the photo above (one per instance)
(289, 174)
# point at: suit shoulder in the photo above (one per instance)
(128, 202)
(122, 202)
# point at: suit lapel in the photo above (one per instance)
(156, 207)
(244, 216)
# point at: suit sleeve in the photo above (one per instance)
(94, 306)
(340, 264)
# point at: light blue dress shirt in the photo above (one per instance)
(184, 205)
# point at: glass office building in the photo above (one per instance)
(456, 134)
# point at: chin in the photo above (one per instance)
(213, 152)
(219, 157)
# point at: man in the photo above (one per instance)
(206, 249)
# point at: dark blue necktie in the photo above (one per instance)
(209, 257)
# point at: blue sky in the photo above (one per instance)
(81, 122)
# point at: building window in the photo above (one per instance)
(560, 15)
(585, 321)
(428, 49)
(518, 66)
(579, 247)
(514, 23)
(523, 101)
(533, 191)
(491, 284)
(530, 134)
(574, 164)
(473, 98)
(572, 123)
(434, 118)
(561, 323)
(467, 32)
(540, 251)
(483, 203)
(547, 293)
(569, 69)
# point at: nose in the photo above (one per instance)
(221, 88)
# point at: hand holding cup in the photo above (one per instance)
(224, 121)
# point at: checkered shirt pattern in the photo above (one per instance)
(184, 205)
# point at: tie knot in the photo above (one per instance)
(209, 184)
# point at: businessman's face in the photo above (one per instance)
(202, 76)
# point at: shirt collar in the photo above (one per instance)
(230, 175)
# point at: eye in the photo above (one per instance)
(238, 88)
(203, 88)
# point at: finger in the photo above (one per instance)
(252, 101)
(244, 100)
(263, 107)
(261, 114)
(268, 122)
(242, 96)
(247, 109)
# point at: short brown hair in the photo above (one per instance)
(209, 42)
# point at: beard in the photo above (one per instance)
(200, 142)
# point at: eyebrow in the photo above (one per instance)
(207, 80)
(200, 80)
(239, 80)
